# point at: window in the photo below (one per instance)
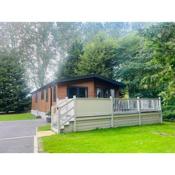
(105, 92)
(42, 94)
(77, 91)
(47, 95)
(36, 97)
(54, 93)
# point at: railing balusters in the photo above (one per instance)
(131, 106)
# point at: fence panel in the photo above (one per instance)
(149, 105)
(93, 107)
(125, 105)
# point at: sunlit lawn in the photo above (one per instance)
(158, 138)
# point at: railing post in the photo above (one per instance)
(160, 108)
(74, 127)
(57, 101)
(139, 110)
(112, 112)
(59, 119)
(51, 114)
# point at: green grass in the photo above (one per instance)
(44, 127)
(9, 117)
(139, 139)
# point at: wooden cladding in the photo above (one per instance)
(44, 98)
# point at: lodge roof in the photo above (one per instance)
(84, 77)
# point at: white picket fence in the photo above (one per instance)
(68, 110)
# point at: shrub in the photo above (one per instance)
(169, 112)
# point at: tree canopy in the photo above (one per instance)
(98, 57)
(139, 54)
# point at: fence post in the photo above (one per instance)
(74, 127)
(138, 108)
(112, 112)
(160, 108)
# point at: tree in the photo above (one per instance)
(69, 66)
(98, 57)
(132, 58)
(34, 44)
(161, 38)
(13, 89)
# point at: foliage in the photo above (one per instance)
(147, 62)
(161, 38)
(35, 46)
(43, 47)
(169, 112)
(145, 139)
(134, 55)
(69, 66)
(98, 57)
(13, 89)
(139, 54)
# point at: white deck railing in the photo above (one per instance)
(135, 105)
(68, 109)
(62, 113)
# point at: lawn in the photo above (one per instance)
(158, 138)
(44, 127)
(9, 117)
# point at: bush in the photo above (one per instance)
(169, 112)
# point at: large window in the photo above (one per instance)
(77, 91)
(105, 92)
(54, 93)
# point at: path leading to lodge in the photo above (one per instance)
(18, 136)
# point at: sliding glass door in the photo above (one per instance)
(77, 91)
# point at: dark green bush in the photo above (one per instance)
(169, 112)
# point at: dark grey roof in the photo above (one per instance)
(85, 77)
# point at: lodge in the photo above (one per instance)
(81, 86)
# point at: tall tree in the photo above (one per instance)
(98, 57)
(161, 38)
(69, 66)
(13, 89)
(35, 45)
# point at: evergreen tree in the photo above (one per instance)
(98, 57)
(13, 89)
(69, 66)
